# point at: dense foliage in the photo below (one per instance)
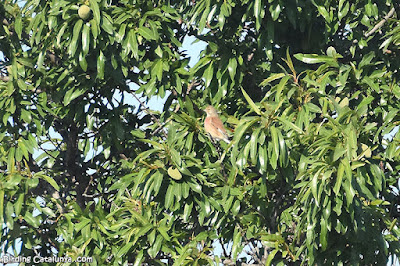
(309, 89)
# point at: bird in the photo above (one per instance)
(214, 126)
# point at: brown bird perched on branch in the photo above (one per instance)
(214, 126)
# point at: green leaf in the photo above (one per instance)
(154, 28)
(263, 158)
(132, 43)
(344, 11)
(324, 234)
(339, 178)
(9, 212)
(124, 249)
(379, 202)
(236, 246)
(2, 205)
(155, 248)
(49, 180)
(13, 180)
(236, 207)
(243, 126)
(364, 104)
(60, 34)
(187, 211)
(121, 34)
(280, 87)
(144, 230)
(158, 69)
(163, 232)
(139, 258)
(352, 143)
(169, 197)
(315, 59)
(257, 13)
(82, 61)
(71, 95)
(203, 20)
(290, 125)
(75, 37)
(283, 152)
(378, 176)
(250, 101)
(254, 145)
(371, 84)
(40, 60)
(33, 221)
(106, 24)
(83, 223)
(28, 62)
(178, 86)
(339, 152)
(32, 182)
(52, 22)
(147, 33)
(313, 108)
(176, 157)
(350, 193)
(314, 187)
(47, 211)
(101, 61)
(270, 257)
(63, 76)
(272, 78)
(322, 10)
(96, 11)
(195, 186)
(26, 115)
(209, 73)
(18, 26)
(232, 67)
(85, 39)
(94, 26)
(275, 10)
(275, 139)
(18, 204)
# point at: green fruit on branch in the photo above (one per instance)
(84, 12)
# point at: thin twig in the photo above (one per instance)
(91, 196)
(223, 248)
(155, 119)
(194, 83)
(381, 23)
(87, 188)
(57, 146)
(49, 154)
(256, 252)
(159, 128)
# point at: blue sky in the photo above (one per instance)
(193, 51)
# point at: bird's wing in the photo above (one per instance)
(217, 123)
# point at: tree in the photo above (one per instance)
(309, 87)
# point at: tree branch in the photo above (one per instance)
(155, 119)
(381, 23)
(256, 252)
(223, 248)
